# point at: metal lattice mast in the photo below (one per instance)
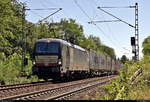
(135, 48)
(136, 33)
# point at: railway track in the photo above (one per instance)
(13, 86)
(62, 91)
(10, 90)
(76, 91)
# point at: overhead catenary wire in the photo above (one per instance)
(127, 49)
(82, 10)
(108, 37)
(106, 21)
(136, 53)
(43, 9)
(57, 5)
(50, 2)
(65, 13)
(104, 18)
(116, 17)
(114, 20)
(43, 3)
(119, 7)
(46, 17)
(50, 15)
(36, 14)
(114, 37)
(108, 25)
(87, 16)
(93, 22)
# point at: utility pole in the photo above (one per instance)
(23, 37)
(136, 46)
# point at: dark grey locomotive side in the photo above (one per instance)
(66, 61)
(74, 61)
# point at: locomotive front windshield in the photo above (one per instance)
(47, 48)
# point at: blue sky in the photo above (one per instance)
(116, 34)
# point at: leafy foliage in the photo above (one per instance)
(146, 46)
(124, 59)
(10, 25)
(123, 89)
(10, 69)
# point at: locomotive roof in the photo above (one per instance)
(61, 41)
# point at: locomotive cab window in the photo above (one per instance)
(47, 48)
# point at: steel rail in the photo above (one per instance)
(78, 90)
(51, 92)
(15, 86)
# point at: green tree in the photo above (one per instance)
(72, 29)
(124, 59)
(146, 46)
(88, 44)
(108, 51)
(10, 25)
(95, 39)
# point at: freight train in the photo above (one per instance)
(56, 58)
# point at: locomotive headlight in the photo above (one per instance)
(59, 62)
(33, 62)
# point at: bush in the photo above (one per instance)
(121, 88)
(11, 67)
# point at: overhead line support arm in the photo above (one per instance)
(116, 17)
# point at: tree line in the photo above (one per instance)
(12, 39)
